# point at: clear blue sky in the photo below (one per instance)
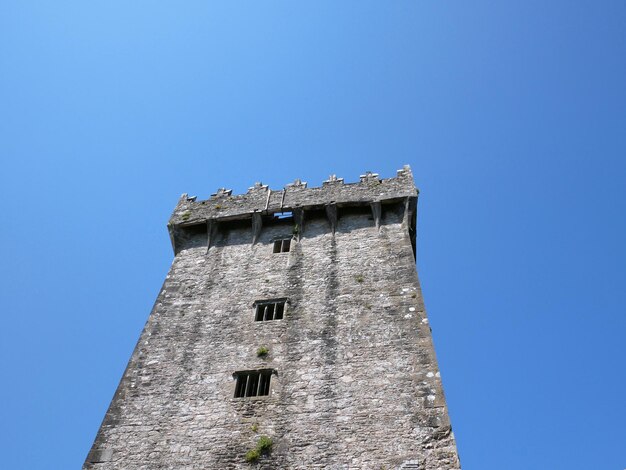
(511, 114)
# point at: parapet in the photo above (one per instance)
(295, 197)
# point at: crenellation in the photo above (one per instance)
(332, 179)
(260, 197)
(370, 178)
(258, 186)
(221, 193)
(298, 183)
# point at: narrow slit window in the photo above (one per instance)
(240, 388)
(280, 309)
(282, 246)
(254, 383)
(260, 312)
(251, 389)
(264, 384)
(269, 310)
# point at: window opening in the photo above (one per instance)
(282, 246)
(254, 383)
(270, 310)
(283, 215)
(280, 309)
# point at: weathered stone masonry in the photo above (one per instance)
(355, 382)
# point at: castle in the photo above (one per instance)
(290, 332)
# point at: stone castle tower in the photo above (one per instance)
(290, 332)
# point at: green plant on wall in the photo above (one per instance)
(359, 278)
(263, 447)
(262, 351)
(185, 215)
(252, 455)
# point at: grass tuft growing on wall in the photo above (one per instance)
(263, 447)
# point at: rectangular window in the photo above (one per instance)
(283, 215)
(254, 383)
(282, 246)
(270, 310)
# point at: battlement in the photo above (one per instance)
(294, 199)
(260, 198)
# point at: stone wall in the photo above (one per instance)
(355, 382)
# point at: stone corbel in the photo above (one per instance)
(408, 214)
(257, 224)
(298, 218)
(376, 213)
(331, 213)
(211, 232)
(174, 234)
